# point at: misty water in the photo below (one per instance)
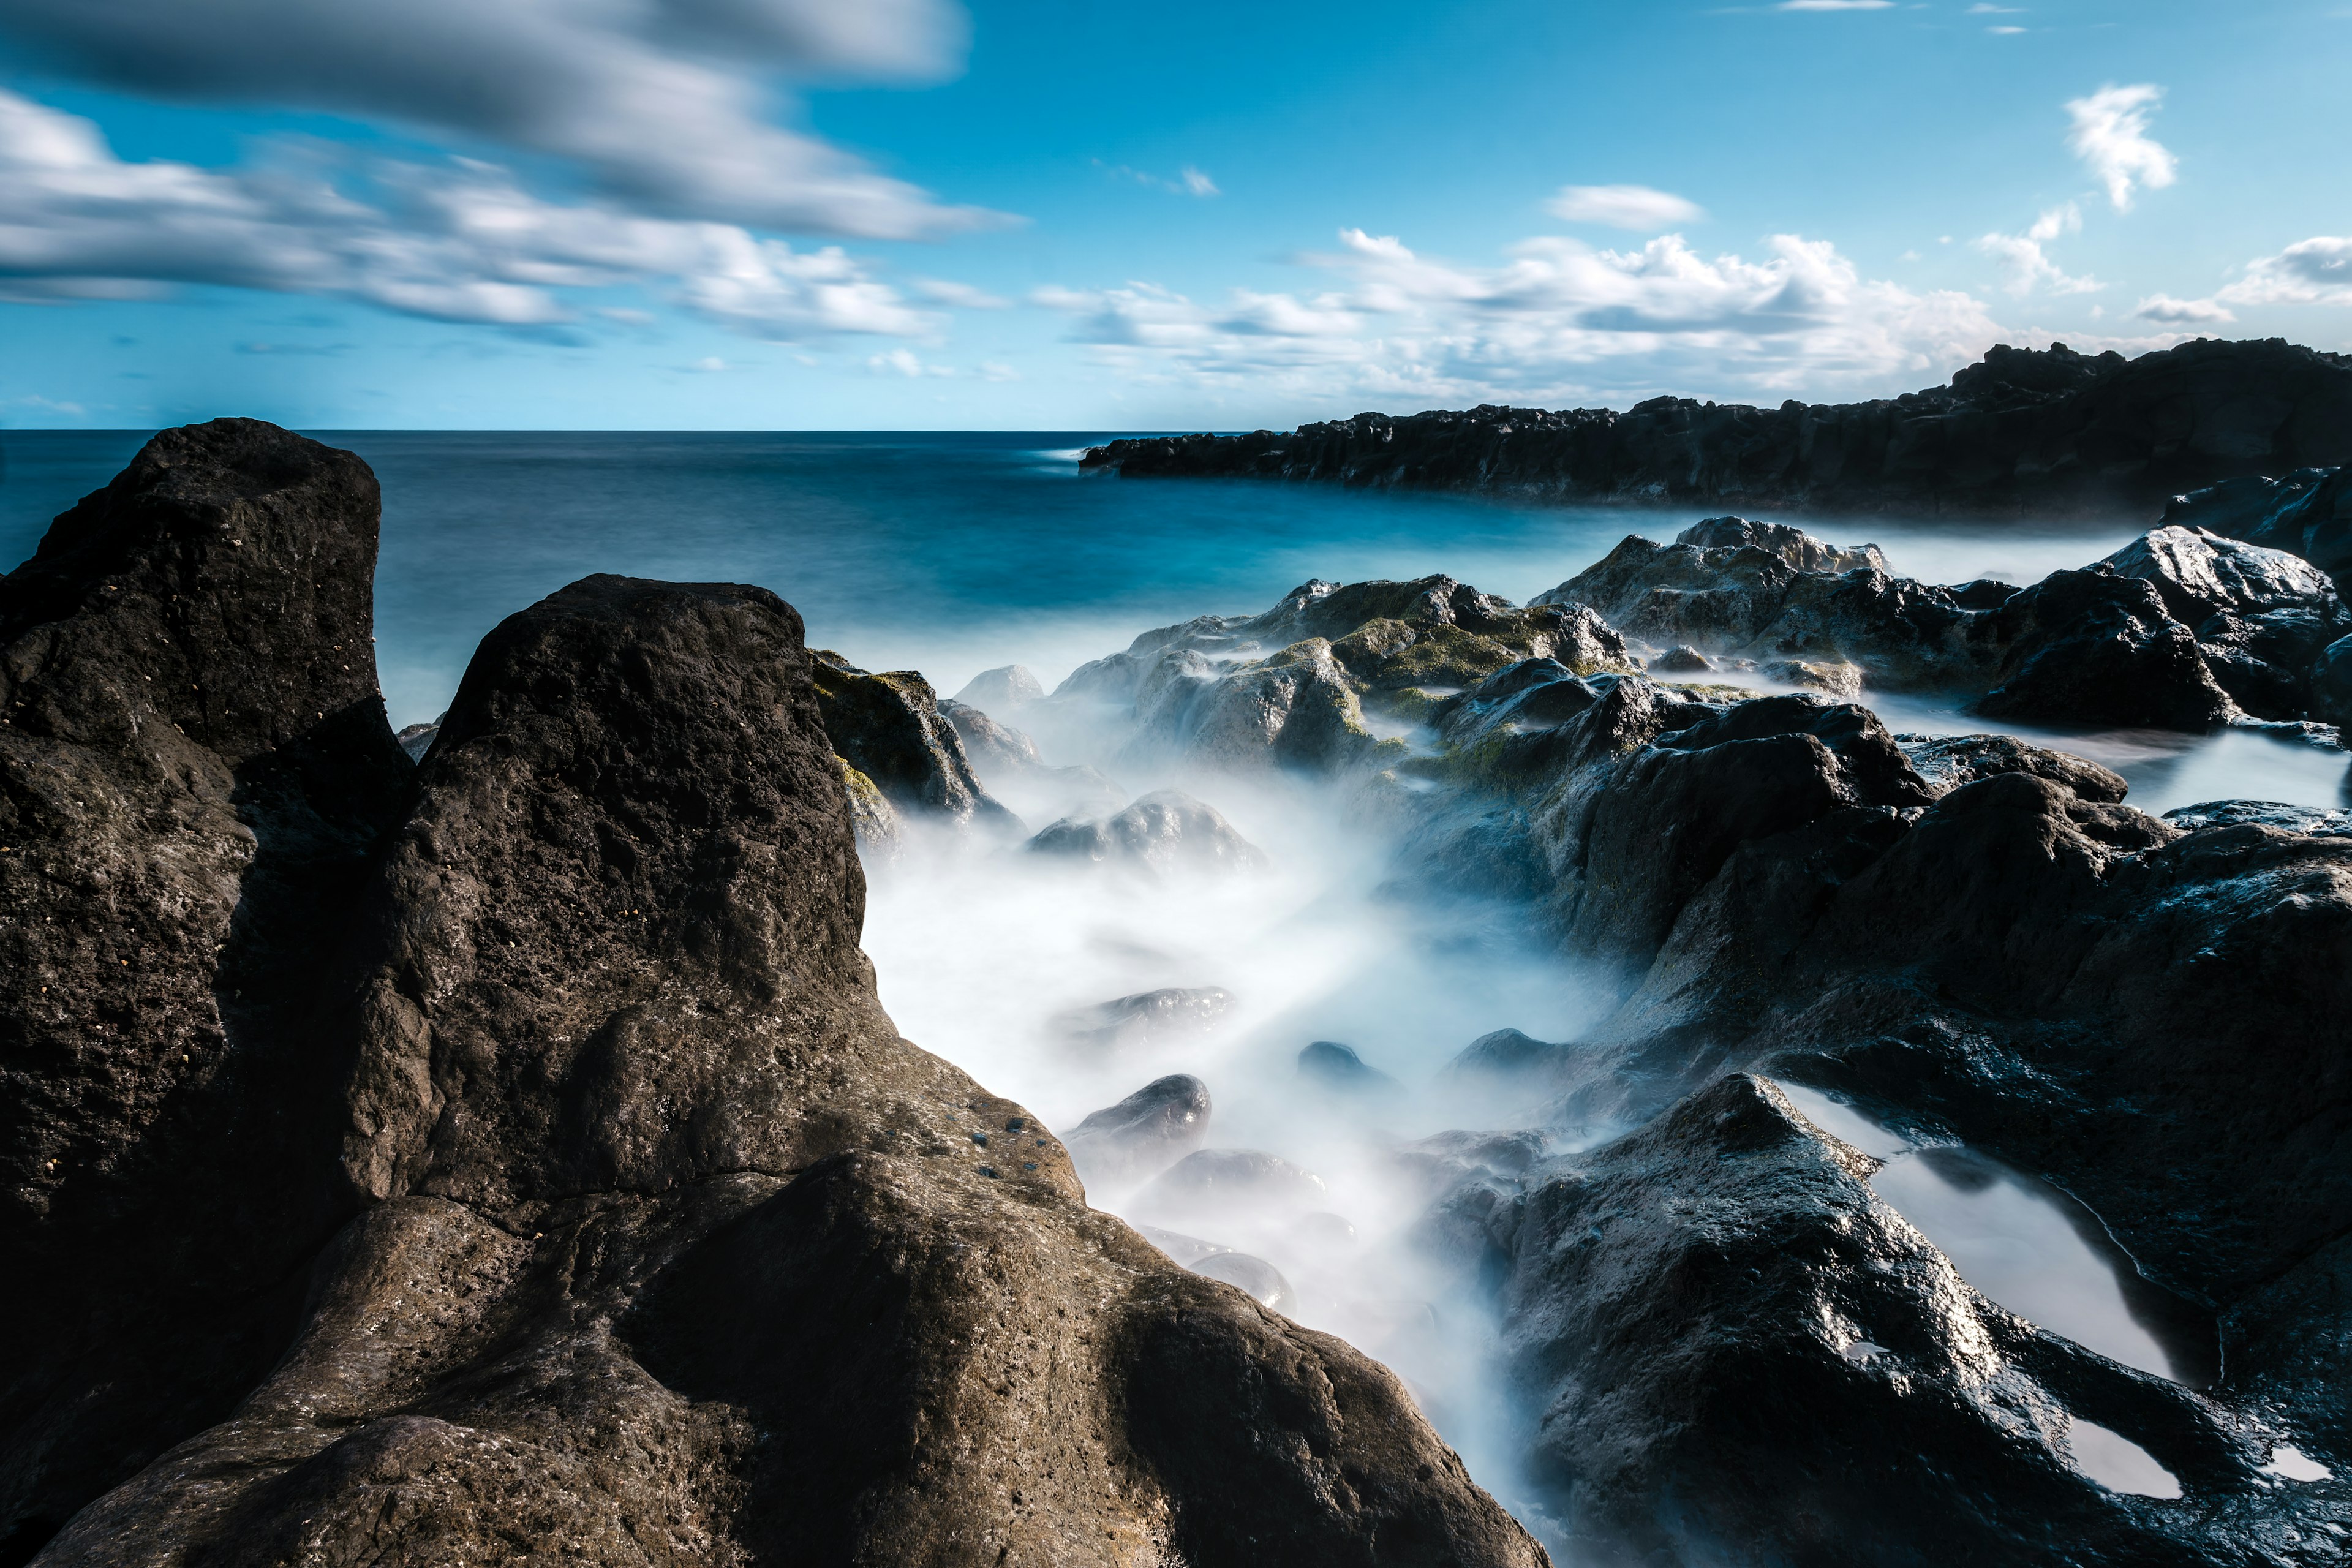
(954, 554)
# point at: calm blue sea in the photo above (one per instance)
(945, 553)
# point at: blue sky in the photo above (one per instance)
(909, 214)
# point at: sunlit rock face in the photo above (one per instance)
(574, 1163)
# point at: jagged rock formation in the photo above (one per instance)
(889, 729)
(2180, 629)
(1291, 686)
(2046, 432)
(2306, 513)
(511, 1157)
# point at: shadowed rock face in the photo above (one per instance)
(889, 728)
(2023, 432)
(603, 1169)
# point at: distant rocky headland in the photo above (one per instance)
(2023, 432)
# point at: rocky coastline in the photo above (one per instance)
(2021, 433)
(431, 1148)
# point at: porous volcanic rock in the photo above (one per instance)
(2022, 432)
(195, 774)
(548, 1211)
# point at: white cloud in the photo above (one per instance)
(1980, 9)
(661, 103)
(1636, 207)
(2317, 271)
(1187, 182)
(903, 362)
(2003, 32)
(1556, 321)
(460, 242)
(2111, 137)
(2165, 307)
(2022, 257)
(1835, 5)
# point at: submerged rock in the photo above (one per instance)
(1143, 1134)
(1147, 1018)
(1948, 762)
(1337, 1069)
(889, 728)
(1166, 833)
(991, 747)
(1214, 1183)
(1004, 689)
(564, 1160)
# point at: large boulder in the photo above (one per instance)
(593, 1166)
(2096, 647)
(195, 774)
(2308, 514)
(2261, 616)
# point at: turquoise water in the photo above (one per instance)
(946, 552)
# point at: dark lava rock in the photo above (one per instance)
(1003, 689)
(1166, 833)
(1143, 1134)
(2307, 513)
(564, 1160)
(889, 728)
(2092, 647)
(2023, 432)
(1743, 1355)
(1337, 1069)
(2302, 819)
(195, 774)
(1948, 762)
(1147, 1018)
(1793, 545)
(2331, 684)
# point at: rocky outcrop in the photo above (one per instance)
(558, 1160)
(1147, 1018)
(1165, 834)
(888, 728)
(2023, 432)
(1291, 688)
(195, 775)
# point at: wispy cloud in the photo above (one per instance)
(2028, 265)
(1186, 182)
(1635, 207)
(2110, 135)
(1557, 319)
(457, 242)
(661, 104)
(1835, 5)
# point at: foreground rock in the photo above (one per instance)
(599, 1167)
(2023, 432)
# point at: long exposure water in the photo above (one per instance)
(953, 553)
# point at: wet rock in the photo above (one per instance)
(592, 1165)
(2092, 647)
(1220, 1182)
(1253, 1277)
(1793, 545)
(195, 774)
(2331, 684)
(1166, 833)
(1296, 709)
(1948, 762)
(1147, 1018)
(1841, 680)
(1337, 1069)
(880, 834)
(1733, 1339)
(2302, 819)
(889, 728)
(1004, 689)
(1680, 659)
(991, 748)
(1506, 1056)
(2023, 432)
(2261, 616)
(2308, 512)
(1143, 1134)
